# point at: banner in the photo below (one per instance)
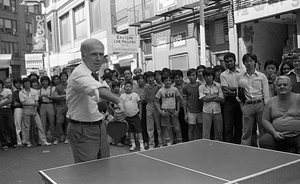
(39, 34)
(125, 43)
(34, 61)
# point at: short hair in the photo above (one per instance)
(85, 46)
(295, 56)
(201, 67)
(46, 78)
(115, 84)
(166, 76)
(17, 80)
(177, 72)
(53, 77)
(137, 69)
(33, 74)
(27, 80)
(149, 74)
(157, 72)
(218, 68)
(289, 63)
(128, 82)
(209, 71)
(107, 76)
(271, 62)
(229, 55)
(129, 71)
(114, 72)
(283, 77)
(7, 78)
(121, 75)
(139, 76)
(107, 69)
(190, 71)
(166, 70)
(63, 73)
(250, 55)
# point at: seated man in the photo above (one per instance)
(281, 118)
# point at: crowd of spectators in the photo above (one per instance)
(211, 104)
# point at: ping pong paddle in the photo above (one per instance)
(116, 129)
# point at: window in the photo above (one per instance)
(14, 27)
(36, 9)
(147, 45)
(65, 29)
(96, 20)
(2, 26)
(13, 6)
(29, 48)
(8, 26)
(80, 23)
(221, 31)
(179, 62)
(6, 5)
(10, 48)
(28, 28)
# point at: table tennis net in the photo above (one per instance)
(285, 174)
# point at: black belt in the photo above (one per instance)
(85, 123)
(254, 101)
(46, 102)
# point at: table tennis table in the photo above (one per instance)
(200, 161)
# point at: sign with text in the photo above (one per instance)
(178, 39)
(166, 5)
(125, 43)
(266, 9)
(34, 61)
(39, 34)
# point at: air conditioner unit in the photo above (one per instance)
(15, 33)
(14, 10)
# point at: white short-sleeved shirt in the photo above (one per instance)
(4, 96)
(211, 107)
(131, 103)
(80, 96)
(30, 97)
(168, 97)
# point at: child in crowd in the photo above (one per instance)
(169, 108)
(133, 109)
(211, 94)
(271, 67)
(153, 116)
(193, 106)
(115, 88)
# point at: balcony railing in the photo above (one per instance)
(241, 4)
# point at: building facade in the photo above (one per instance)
(15, 36)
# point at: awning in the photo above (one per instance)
(5, 60)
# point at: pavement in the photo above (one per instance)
(21, 166)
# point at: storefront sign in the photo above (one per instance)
(265, 9)
(34, 61)
(178, 39)
(125, 43)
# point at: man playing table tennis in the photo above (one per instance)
(281, 118)
(82, 95)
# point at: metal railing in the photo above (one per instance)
(242, 4)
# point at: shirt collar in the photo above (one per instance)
(235, 71)
(214, 84)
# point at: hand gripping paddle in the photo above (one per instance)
(116, 129)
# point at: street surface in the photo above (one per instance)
(21, 166)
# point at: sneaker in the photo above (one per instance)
(5, 148)
(29, 145)
(67, 141)
(151, 148)
(120, 144)
(47, 144)
(132, 148)
(55, 142)
(142, 149)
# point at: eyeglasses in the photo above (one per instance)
(122, 79)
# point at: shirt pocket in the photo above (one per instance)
(257, 84)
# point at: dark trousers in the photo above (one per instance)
(144, 122)
(233, 118)
(269, 142)
(183, 126)
(7, 125)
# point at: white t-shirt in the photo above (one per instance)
(4, 96)
(131, 103)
